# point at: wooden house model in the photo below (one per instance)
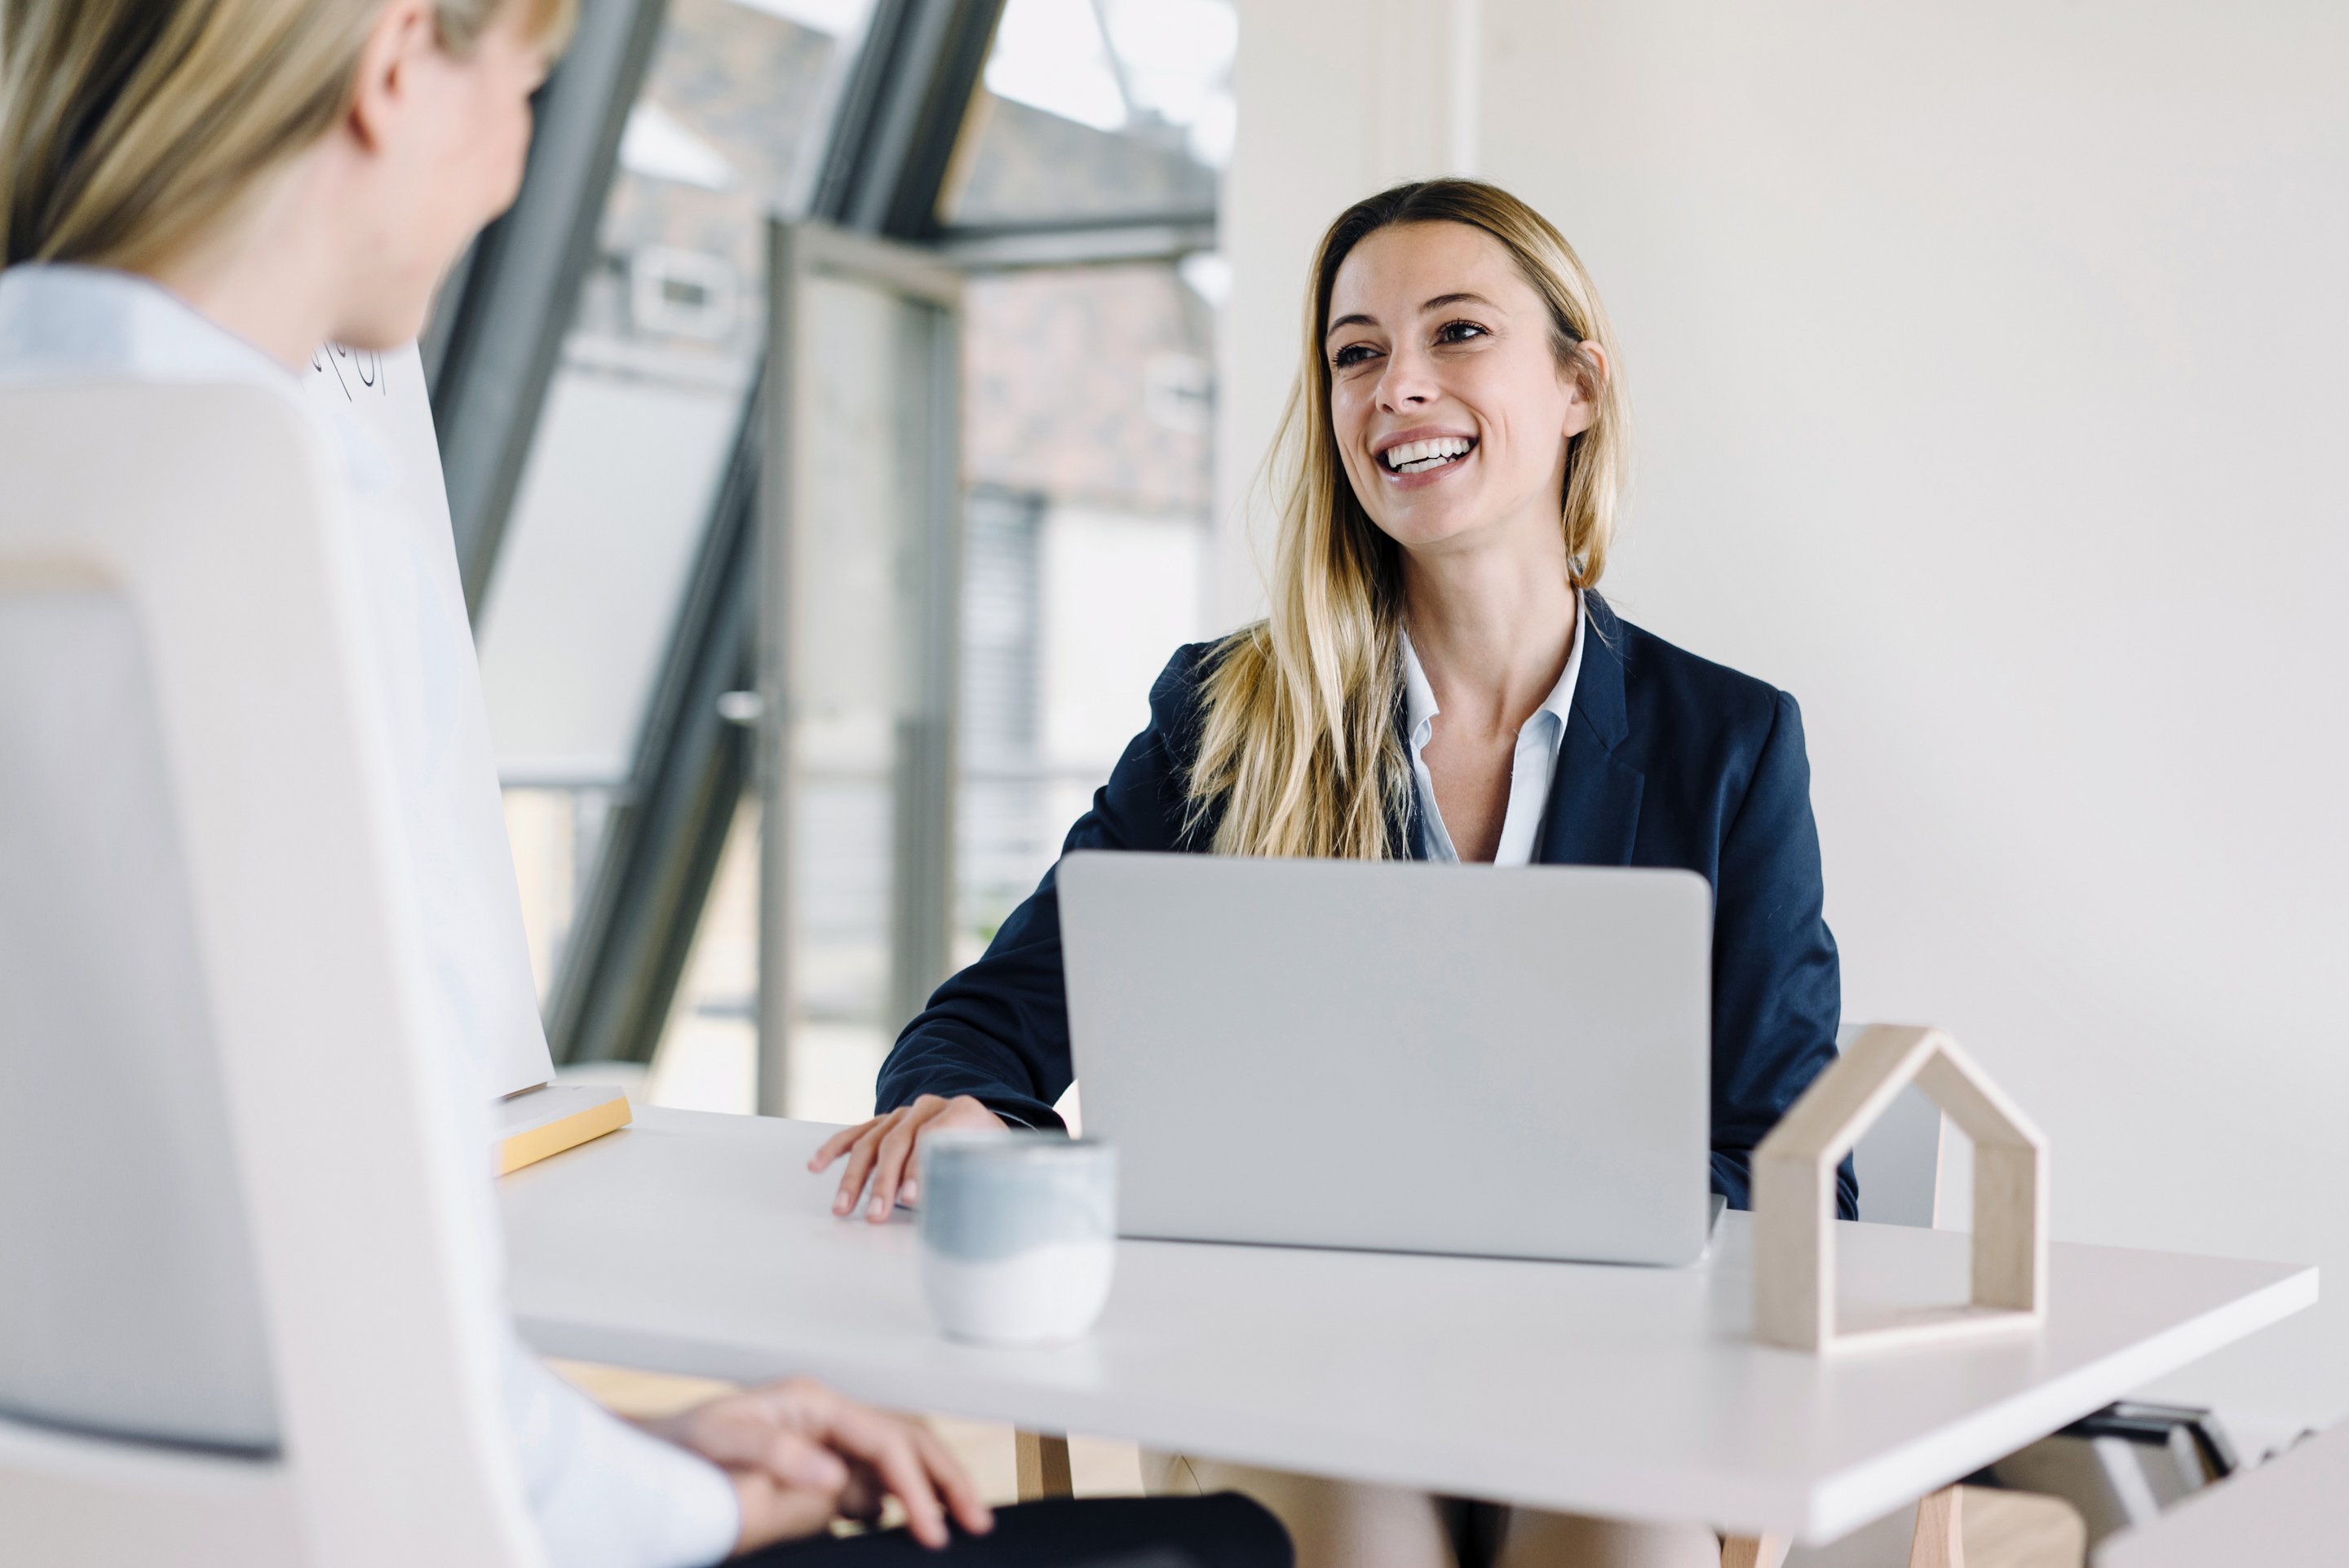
(1794, 1198)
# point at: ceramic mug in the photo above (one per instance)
(1019, 1235)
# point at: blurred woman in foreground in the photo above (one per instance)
(212, 191)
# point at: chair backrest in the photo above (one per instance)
(1898, 1160)
(241, 1228)
(2291, 1512)
(139, 1312)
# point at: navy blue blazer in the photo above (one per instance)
(1667, 761)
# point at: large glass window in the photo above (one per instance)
(859, 549)
(1086, 465)
(641, 418)
(1086, 442)
(1083, 498)
(1097, 110)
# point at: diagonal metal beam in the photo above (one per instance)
(902, 113)
(899, 115)
(520, 281)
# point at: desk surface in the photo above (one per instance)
(691, 1243)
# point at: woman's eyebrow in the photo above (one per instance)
(1438, 302)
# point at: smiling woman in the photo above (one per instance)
(1437, 677)
(1486, 402)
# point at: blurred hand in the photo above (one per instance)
(799, 1454)
(883, 1149)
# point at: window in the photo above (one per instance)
(617, 629)
(641, 419)
(1097, 110)
(1087, 548)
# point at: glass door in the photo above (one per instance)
(859, 540)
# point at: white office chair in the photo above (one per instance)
(2291, 1512)
(246, 1314)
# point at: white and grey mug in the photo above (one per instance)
(1019, 1235)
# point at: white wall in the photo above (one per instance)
(1989, 367)
(1337, 98)
(1121, 591)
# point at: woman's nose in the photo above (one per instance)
(1407, 383)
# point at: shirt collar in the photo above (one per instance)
(1419, 709)
(102, 320)
(62, 319)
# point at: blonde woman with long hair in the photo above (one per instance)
(1437, 677)
(211, 192)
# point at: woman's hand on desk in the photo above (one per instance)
(883, 1149)
(799, 1454)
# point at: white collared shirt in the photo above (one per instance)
(605, 1494)
(1535, 764)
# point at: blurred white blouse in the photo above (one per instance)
(606, 1495)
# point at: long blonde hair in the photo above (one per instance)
(1299, 749)
(127, 127)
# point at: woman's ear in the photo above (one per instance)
(397, 47)
(1585, 375)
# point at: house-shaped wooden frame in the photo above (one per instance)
(1794, 1198)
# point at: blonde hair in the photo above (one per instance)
(127, 127)
(1299, 749)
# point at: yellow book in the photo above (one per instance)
(554, 1117)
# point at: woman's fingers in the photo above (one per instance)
(896, 1146)
(887, 1445)
(865, 1493)
(799, 1434)
(787, 1477)
(963, 1110)
(880, 1152)
(861, 1156)
(772, 1513)
(969, 1509)
(838, 1144)
(803, 1462)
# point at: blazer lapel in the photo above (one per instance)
(1593, 815)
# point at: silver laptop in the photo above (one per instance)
(1404, 1056)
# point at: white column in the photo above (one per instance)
(1337, 99)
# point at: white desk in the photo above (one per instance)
(690, 1242)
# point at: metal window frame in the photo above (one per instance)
(897, 124)
(516, 289)
(1079, 246)
(902, 116)
(643, 901)
(929, 636)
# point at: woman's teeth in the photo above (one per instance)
(1417, 456)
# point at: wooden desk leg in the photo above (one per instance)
(1044, 1466)
(1755, 1550)
(1937, 1542)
